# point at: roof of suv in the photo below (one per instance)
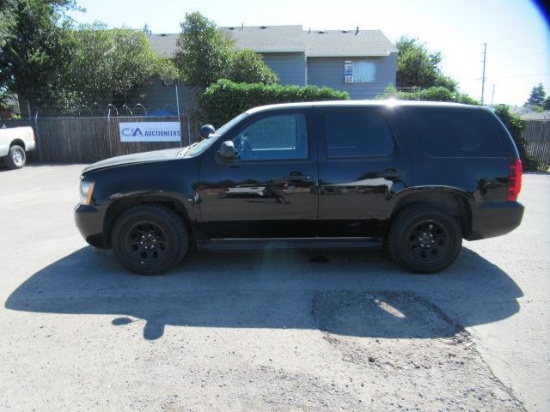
(359, 103)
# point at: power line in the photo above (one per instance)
(521, 76)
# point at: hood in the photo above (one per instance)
(145, 157)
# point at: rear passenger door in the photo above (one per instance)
(361, 167)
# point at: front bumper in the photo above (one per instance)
(495, 219)
(90, 223)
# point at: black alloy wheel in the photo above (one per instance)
(149, 239)
(424, 239)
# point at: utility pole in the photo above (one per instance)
(483, 77)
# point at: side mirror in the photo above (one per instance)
(206, 130)
(227, 150)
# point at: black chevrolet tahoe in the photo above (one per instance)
(415, 178)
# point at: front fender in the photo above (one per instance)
(118, 203)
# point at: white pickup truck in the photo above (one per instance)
(14, 142)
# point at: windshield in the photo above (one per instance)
(199, 147)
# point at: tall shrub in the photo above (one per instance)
(515, 126)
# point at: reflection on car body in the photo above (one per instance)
(246, 190)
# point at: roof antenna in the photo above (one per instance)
(357, 31)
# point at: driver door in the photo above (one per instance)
(268, 190)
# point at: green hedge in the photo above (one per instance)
(225, 99)
(431, 94)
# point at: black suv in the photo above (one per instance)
(413, 177)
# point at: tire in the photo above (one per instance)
(424, 239)
(16, 158)
(149, 239)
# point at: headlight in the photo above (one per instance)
(86, 191)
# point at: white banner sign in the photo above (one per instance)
(150, 132)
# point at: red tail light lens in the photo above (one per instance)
(515, 170)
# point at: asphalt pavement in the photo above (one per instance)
(81, 333)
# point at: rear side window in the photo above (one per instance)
(357, 133)
(458, 133)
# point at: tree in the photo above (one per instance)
(247, 66)
(204, 55)
(7, 8)
(536, 98)
(55, 67)
(420, 78)
(417, 68)
(33, 56)
(106, 64)
(7, 18)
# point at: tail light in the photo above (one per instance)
(515, 170)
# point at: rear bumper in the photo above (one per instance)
(495, 219)
(89, 221)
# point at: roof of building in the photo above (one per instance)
(267, 39)
(164, 44)
(351, 43)
(293, 39)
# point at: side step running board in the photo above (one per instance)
(302, 243)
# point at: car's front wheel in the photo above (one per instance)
(424, 239)
(16, 157)
(149, 239)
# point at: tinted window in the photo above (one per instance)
(356, 133)
(274, 137)
(448, 132)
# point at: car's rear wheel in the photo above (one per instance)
(424, 239)
(16, 157)
(149, 239)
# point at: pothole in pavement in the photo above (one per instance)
(380, 314)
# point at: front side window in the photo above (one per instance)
(272, 138)
(357, 133)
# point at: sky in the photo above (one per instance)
(514, 33)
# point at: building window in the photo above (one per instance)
(359, 71)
